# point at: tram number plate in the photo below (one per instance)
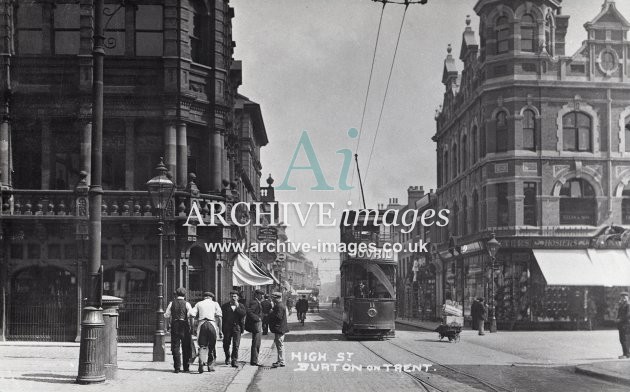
(372, 254)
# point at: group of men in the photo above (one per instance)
(226, 322)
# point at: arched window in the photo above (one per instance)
(454, 220)
(576, 132)
(501, 132)
(549, 35)
(464, 216)
(627, 134)
(503, 34)
(529, 130)
(455, 167)
(29, 23)
(475, 212)
(528, 27)
(446, 172)
(464, 160)
(578, 205)
(474, 145)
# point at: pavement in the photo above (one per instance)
(604, 368)
(47, 366)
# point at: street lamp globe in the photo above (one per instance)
(161, 187)
(493, 246)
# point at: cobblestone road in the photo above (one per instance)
(511, 361)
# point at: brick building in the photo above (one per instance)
(170, 91)
(533, 144)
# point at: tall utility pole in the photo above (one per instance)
(92, 351)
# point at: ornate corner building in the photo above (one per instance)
(533, 144)
(170, 90)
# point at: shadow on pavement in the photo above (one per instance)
(148, 370)
(320, 337)
(48, 378)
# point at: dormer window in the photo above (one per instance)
(503, 35)
(527, 33)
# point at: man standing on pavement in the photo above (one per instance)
(478, 314)
(253, 324)
(278, 325)
(209, 315)
(233, 325)
(266, 309)
(177, 311)
(301, 307)
(623, 324)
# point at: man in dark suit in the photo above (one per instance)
(266, 308)
(623, 324)
(253, 324)
(478, 314)
(278, 325)
(233, 324)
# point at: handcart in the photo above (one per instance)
(452, 321)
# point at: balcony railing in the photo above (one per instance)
(21, 202)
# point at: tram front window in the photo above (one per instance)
(369, 280)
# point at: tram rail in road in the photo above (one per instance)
(472, 382)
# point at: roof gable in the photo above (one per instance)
(609, 15)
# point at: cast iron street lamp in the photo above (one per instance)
(161, 190)
(493, 247)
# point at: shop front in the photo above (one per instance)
(539, 283)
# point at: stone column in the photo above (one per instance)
(182, 155)
(170, 149)
(5, 152)
(46, 153)
(216, 160)
(86, 146)
(129, 153)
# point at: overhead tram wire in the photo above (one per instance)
(367, 92)
(389, 77)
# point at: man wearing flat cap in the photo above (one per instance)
(209, 315)
(177, 312)
(253, 324)
(278, 325)
(623, 323)
(233, 325)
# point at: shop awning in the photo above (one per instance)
(246, 273)
(569, 267)
(614, 265)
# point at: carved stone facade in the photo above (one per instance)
(531, 143)
(170, 90)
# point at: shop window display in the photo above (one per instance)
(426, 293)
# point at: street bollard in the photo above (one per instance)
(110, 317)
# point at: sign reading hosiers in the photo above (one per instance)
(267, 234)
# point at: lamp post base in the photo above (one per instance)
(493, 325)
(159, 343)
(92, 349)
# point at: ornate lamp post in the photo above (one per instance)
(493, 247)
(161, 190)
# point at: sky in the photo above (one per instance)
(307, 63)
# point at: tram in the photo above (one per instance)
(368, 276)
